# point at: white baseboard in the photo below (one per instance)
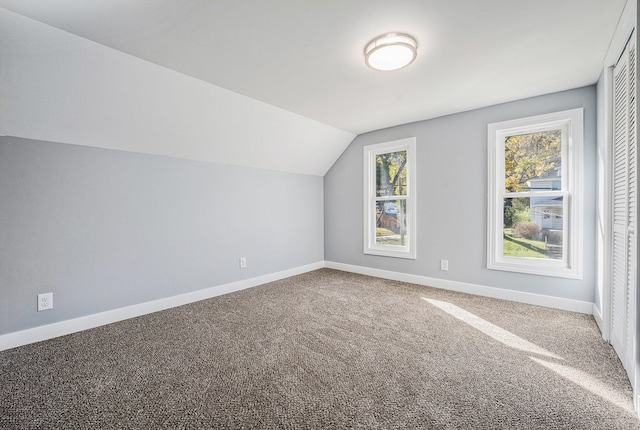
(480, 290)
(37, 334)
(597, 316)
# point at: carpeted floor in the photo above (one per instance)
(325, 350)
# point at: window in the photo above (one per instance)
(389, 199)
(535, 195)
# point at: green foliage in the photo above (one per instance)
(391, 173)
(383, 232)
(529, 156)
(386, 240)
(514, 216)
(516, 210)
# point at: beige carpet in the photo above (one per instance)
(325, 350)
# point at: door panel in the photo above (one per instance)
(624, 210)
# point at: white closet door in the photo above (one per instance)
(624, 253)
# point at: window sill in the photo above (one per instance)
(556, 269)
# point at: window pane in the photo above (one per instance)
(390, 209)
(533, 161)
(533, 227)
(391, 174)
(391, 223)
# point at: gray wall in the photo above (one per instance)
(104, 229)
(452, 198)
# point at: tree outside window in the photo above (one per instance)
(535, 195)
(389, 192)
(533, 162)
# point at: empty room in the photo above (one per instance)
(311, 214)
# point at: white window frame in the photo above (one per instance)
(571, 124)
(370, 153)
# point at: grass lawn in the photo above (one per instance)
(526, 247)
(391, 242)
(385, 236)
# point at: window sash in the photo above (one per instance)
(503, 134)
(571, 125)
(559, 193)
(371, 153)
(529, 262)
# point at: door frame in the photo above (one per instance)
(625, 30)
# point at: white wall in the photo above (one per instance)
(105, 229)
(93, 209)
(452, 199)
(58, 87)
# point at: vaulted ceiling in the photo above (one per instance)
(301, 64)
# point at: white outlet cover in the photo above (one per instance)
(45, 301)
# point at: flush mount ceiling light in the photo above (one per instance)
(391, 51)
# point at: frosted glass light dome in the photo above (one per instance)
(391, 51)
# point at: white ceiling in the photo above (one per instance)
(305, 56)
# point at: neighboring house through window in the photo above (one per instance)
(389, 199)
(535, 195)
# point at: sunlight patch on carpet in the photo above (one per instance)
(498, 333)
(589, 383)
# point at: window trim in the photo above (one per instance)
(571, 122)
(369, 193)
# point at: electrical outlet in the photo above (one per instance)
(444, 264)
(243, 263)
(45, 301)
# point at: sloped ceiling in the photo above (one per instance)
(271, 84)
